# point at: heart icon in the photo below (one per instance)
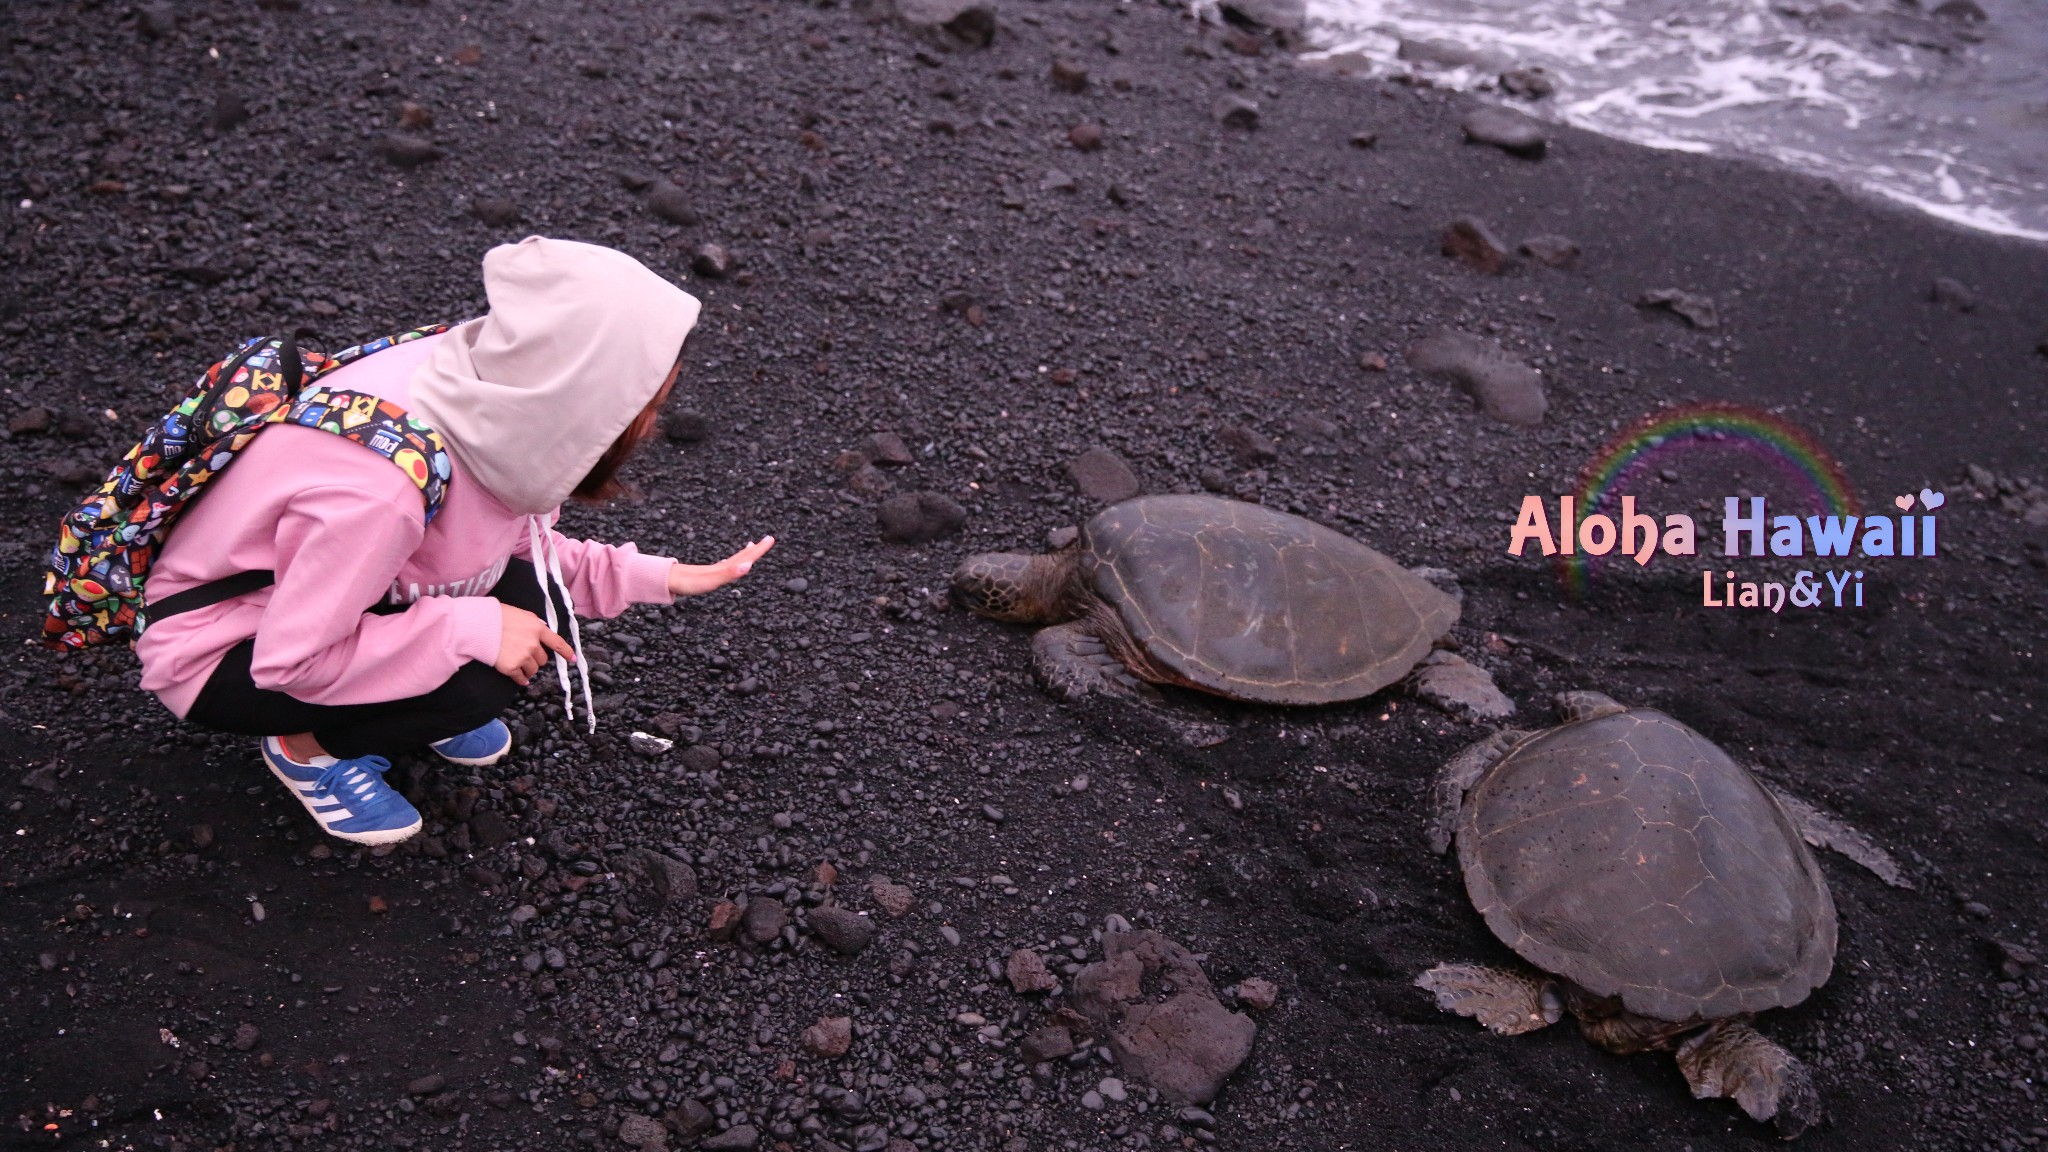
(1905, 503)
(1932, 500)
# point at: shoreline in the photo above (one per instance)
(927, 243)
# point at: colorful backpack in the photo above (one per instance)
(108, 542)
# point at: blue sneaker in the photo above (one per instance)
(349, 798)
(476, 747)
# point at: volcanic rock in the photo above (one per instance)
(845, 932)
(228, 112)
(643, 1132)
(734, 1139)
(1528, 83)
(495, 211)
(1247, 446)
(1027, 973)
(668, 202)
(764, 919)
(1102, 475)
(1504, 387)
(1258, 994)
(1555, 251)
(655, 880)
(1505, 129)
(711, 261)
(407, 151)
(1952, 294)
(1048, 1043)
(725, 921)
(887, 450)
(685, 426)
(1236, 112)
(1460, 688)
(1285, 20)
(1697, 310)
(1068, 76)
(157, 21)
(919, 517)
(895, 899)
(1086, 137)
(648, 744)
(1470, 242)
(950, 25)
(1184, 1043)
(830, 1037)
(411, 115)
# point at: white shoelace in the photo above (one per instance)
(547, 567)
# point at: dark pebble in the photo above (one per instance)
(711, 261)
(1952, 294)
(1247, 446)
(495, 211)
(407, 151)
(1504, 387)
(919, 517)
(684, 426)
(1697, 310)
(764, 920)
(1102, 475)
(228, 112)
(887, 450)
(1555, 251)
(1236, 112)
(669, 202)
(1470, 242)
(845, 932)
(1506, 129)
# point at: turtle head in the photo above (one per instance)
(1015, 587)
(1577, 706)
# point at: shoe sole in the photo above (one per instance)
(367, 839)
(474, 761)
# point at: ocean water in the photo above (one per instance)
(1946, 113)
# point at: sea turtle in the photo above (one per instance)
(1661, 888)
(1217, 595)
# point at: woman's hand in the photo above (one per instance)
(524, 643)
(697, 579)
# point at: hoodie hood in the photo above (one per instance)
(577, 341)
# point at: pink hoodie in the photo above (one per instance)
(344, 529)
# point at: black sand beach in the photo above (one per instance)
(917, 246)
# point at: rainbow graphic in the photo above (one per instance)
(1778, 442)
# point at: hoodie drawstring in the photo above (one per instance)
(547, 567)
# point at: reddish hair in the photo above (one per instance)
(602, 482)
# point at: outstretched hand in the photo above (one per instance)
(697, 579)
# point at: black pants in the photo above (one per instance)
(473, 697)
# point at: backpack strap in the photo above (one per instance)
(204, 596)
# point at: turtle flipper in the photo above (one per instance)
(1073, 664)
(1826, 830)
(1508, 1003)
(1735, 1060)
(1457, 777)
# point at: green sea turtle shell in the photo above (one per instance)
(1630, 855)
(1254, 604)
